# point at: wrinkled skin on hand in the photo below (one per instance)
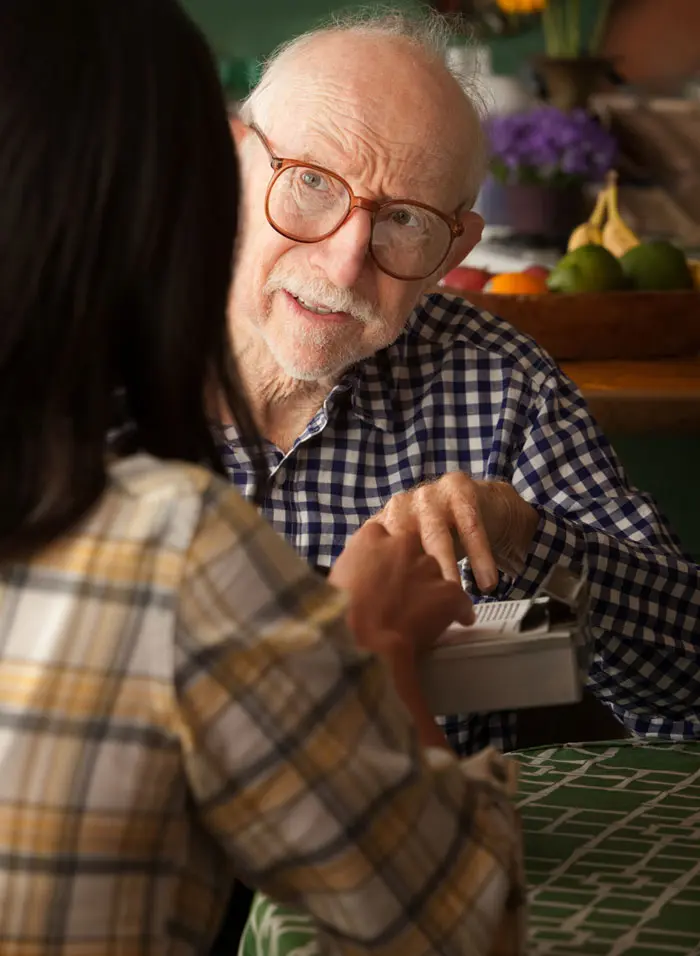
(456, 516)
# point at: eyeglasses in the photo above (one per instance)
(308, 203)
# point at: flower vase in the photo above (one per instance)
(569, 82)
(536, 211)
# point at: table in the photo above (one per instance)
(612, 848)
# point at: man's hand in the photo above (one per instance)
(485, 521)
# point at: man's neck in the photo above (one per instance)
(282, 406)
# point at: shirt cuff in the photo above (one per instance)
(555, 542)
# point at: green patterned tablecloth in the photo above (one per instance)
(612, 849)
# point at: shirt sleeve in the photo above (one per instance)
(305, 766)
(644, 593)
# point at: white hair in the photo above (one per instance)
(428, 34)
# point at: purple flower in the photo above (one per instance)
(548, 145)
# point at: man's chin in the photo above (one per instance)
(307, 365)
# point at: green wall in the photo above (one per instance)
(242, 31)
(251, 28)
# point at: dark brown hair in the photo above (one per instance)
(118, 215)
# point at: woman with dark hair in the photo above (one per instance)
(180, 698)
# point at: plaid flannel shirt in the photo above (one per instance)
(179, 701)
(461, 390)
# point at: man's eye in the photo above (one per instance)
(404, 217)
(313, 180)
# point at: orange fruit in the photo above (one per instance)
(517, 283)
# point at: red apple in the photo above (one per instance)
(466, 279)
(539, 272)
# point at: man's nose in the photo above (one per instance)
(344, 255)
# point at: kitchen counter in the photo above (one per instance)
(661, 396)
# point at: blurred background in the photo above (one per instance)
(657, 41)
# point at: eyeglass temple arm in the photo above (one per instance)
(275, 161)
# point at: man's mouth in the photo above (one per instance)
(313, 306)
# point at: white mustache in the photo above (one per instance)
(322, 292)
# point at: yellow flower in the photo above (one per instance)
(522, 6)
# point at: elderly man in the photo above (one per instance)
(361, 155)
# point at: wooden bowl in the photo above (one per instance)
(601, 325)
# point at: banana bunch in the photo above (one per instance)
(591, 232)
(606, 227)
(694, 266)
(618, 238)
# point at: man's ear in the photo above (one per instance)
(239, 130)
(463, 245)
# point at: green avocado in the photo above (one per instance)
(657, 266)
(590, 268)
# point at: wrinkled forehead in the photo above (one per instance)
(368, 156)
(380, 122)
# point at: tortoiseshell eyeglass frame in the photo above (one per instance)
(279, 164)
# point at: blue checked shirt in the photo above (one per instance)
(461, 390)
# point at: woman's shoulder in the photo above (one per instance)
(143, 476)
(166, 501)
(230, 563)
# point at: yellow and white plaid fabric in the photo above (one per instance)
(179, 701)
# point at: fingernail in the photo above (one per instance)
(487, 582)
